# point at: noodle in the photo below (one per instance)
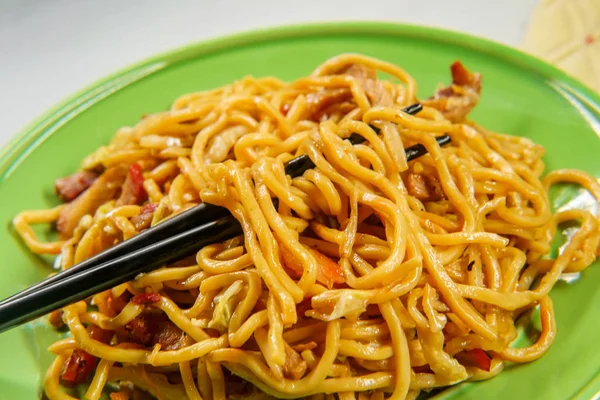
(367, 277)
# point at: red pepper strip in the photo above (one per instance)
(329, 271)
(474, 358)
(78, 367)
(133, 189)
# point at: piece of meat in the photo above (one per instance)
(146, 298)
(80, 363)
(55, 319)
(294, 366)
(375, 89)
(69, 187)
(144, 219)
(422, 369)
(305, 346)
(149, 329)
(119, 396)
(458, 99)
(424, 187)
(99, 334)
(103, 189)
(361, 71)
(170, 337)
(142, 329)
(78, 367)
(463, 77)
(317, 102)
(133, 191)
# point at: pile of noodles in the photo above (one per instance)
(369, 277)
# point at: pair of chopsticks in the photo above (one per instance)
(170, 241)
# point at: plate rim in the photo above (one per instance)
(43, 126)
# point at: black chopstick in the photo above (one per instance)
(100, 277)
(298, 165)
(163, 244)
(190, 219)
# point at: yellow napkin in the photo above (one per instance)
(567, 34)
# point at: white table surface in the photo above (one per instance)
(50, 49)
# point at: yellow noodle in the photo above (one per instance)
(346, 279)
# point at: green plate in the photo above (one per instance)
(521, 96)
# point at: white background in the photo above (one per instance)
(50, 49)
